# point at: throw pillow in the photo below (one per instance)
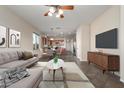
(11, 76)
(27, 55)
(22, 72)
(20, 55)
(15, 74)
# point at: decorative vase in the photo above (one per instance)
(56, 59)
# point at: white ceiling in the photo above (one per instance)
(82, 14)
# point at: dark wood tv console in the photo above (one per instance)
(106, 62)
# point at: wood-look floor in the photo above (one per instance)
(98, 79)
(94, 74)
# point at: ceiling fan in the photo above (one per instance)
(57, 10)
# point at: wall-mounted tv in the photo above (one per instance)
(107, 39)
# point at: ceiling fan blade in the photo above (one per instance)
(46, 14)
(61, 16)
(69, 7)
(52, 5)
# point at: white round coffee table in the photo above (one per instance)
(54, 66)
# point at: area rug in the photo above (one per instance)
(71, 77)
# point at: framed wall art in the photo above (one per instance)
(3, 36)
(14, 38)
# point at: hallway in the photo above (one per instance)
(68, 57)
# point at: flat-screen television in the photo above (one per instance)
(107, 39)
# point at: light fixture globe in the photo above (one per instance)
(50, 14)
(51, 39)
(60, 12)
(57, 15)
(52, 9)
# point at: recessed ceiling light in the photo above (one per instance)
(47, 35)
(61, 32)
(51, 28)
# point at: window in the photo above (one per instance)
(35, 41)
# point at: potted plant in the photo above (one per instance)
(55, 59)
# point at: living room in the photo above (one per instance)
(73, 46)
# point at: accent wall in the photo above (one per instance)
(13, 21)
(108, 20)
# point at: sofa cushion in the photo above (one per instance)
(27, 55)
(31, 61)
(30, 81)
(34, 59)
(6, 57)
(18, 63)
(20, 55)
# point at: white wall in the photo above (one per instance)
(108, 20)
(82, 42)
(9, 19)
(70, 42)
(121, 35)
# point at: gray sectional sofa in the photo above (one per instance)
(11, 60)
(32, 81)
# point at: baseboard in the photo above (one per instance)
(83, 60)
(122, 80)
(116, 73)
(77, 59)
